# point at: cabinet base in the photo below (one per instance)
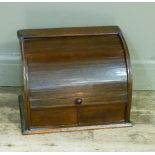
(71, 129)
(64, 129)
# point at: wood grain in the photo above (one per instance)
(56, 117)
(62, 66)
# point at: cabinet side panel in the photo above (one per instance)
(129, 76)
(26, 104)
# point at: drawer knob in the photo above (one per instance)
(78, 100)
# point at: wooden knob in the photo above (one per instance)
(78, 100)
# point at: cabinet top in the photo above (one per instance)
(72, 31)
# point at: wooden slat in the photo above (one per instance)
(118, 96)
(75, 31)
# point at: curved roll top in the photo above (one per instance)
(69, 59)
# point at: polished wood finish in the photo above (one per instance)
(54, 117)
(74, 77)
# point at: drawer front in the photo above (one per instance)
(53, 117)
(79, 115)
(101, 114)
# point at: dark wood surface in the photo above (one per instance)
(61, 32)
(75, 77)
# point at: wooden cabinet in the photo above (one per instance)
(74, 78)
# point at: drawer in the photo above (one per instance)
(79, 115)
(41, 117)
(101, 114)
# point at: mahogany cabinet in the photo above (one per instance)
(74, 78)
